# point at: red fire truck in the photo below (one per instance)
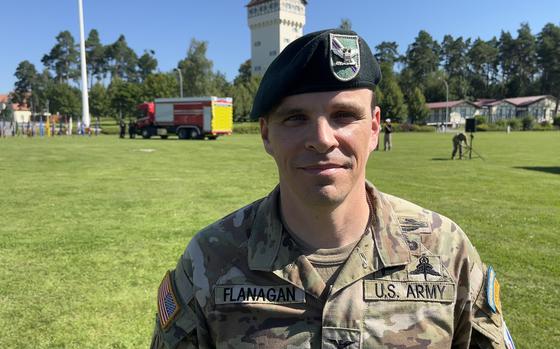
(188, 118)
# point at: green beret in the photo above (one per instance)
(327, 60)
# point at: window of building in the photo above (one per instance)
(258, 68)
(272, 53)
(257, 43)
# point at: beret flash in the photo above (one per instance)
(327, 60)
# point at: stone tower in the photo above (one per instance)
(274, 24)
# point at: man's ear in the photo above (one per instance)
(375, 122)
(263, 123)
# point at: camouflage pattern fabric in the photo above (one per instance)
(413, 281)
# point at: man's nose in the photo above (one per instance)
(321, 136)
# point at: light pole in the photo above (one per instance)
(180, 81)
(446, 101)
(85, 102)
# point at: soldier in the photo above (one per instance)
(131, 129)
(326, 260)
(122, 129)
(458, 141)
(387, 138)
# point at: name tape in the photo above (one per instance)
(235, 294)
(389, 290)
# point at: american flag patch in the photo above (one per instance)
(168, 307)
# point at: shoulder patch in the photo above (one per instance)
(414, 225)
(493, 291)
(168, 307)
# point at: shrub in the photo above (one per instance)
(527, 123)
(406, 127)
(515, 124)
(556, 121)
(246, 128)
(543, 126)
(480, 119)
(482, 128)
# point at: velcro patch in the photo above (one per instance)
(392, 290)
(168, 307)
(493, 291)
(414, 225)
(235, 294)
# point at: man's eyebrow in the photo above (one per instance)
(290, 111)
(348, 107)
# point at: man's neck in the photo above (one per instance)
(327, 226)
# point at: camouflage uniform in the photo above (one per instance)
(413, 281)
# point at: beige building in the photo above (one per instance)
(458, 112)
(274, 24)
(542, 108)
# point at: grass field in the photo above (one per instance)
(88, 226)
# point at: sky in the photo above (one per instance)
(29, 27)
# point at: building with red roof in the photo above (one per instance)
(542, 108)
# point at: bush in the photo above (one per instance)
(246, 128)
(502, 123)
(515, 124)
(556, 121)
(527, 123)
(480, 119)
(406, 127)
(543, 126)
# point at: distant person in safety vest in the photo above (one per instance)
(326, 260)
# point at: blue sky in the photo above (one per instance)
(29, 27)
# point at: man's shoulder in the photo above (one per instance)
(230, 231)
(438, 231)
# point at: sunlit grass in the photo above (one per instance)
(88, 226)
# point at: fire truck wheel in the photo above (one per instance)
(193, 133)
(163, 136)
(146, 133)
(212, 138)
(182, 133)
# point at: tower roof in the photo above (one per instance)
(258, 2)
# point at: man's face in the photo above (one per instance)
(321, 142)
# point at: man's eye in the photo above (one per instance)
(345, 117)
(294, 119)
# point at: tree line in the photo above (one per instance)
(502, 67)
(498, 68)
(119, 79)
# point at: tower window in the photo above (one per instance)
(257, 43)
(272, 53)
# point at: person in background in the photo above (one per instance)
(388, 135)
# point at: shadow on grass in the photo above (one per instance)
(547, 169)
(441, 159)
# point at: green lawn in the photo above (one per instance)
(88, 226)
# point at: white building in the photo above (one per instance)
(274, 24)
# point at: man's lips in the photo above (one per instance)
(326, 168)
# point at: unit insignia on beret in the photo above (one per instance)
(345, 56)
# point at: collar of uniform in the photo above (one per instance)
(390, 243)
(266, 234)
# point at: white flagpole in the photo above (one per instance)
(85, 103)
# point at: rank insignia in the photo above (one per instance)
(493, 291)
(345, 56)
(168, 307)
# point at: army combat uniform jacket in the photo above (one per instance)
(413, 281)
